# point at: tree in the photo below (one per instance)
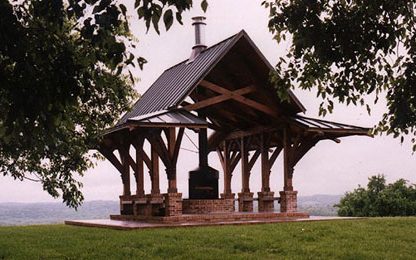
(379, 199)
(64, 78)
(350, 49)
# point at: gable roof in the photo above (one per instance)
(177, 82)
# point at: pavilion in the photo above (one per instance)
(224, 89)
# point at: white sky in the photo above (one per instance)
(329, 168)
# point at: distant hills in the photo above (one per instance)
(54, 212)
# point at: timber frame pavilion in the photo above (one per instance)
(224, 88)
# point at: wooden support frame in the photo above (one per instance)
(220, 98)
(246, 101)
(168, 152)
(125, 173)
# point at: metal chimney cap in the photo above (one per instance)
(198, 20)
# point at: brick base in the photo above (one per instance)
(245, 201)
(288, 201)
(173, 204)
(266, 201)
(149, 205)
(191, 206)
(126, 205)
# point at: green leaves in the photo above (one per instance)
(168, 19)
(349, 50)
(152, 11)
(59, 89)
(204, 5)
(379, 199)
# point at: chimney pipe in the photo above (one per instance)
(199, 46)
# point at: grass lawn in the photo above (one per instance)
(378, 238)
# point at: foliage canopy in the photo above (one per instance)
(64, 77)
(380, 199)
(349, 49)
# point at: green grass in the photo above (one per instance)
(379, 238)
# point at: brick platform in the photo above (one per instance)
(213, 217)
(191, 206)
(131, 225)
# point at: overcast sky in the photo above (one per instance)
(329, 168)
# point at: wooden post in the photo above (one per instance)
(125, 175)
(139, 170)
(171, 170)
(288, 168)
(245, 171)
(227, 168)
(265, 166)
(155, 171)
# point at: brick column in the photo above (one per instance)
(266, 201)
(126, 205)
(173, 204)
(288, 201)
(245, 201)
(139, 205)
(229, 196)
(154, 205)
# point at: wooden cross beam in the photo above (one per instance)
(246, 101)
(221, 98)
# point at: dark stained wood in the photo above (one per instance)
(154, 171)
(159, 146)
(243, 100)
(245, 170)
(218, 99)
(253, 159)
(125, 174)
(250, 132)
(139, 174)
(112, 158)
(287, 167)
(265, 166)
(177, 147)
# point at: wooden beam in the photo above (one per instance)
(215, 139)
(275, 154)
(246, 101)
(177, 147)
(125, 174)
(265, 165)
(109, 155)
(159, 146)
(221, 98)
(254, 159)
(234, 161)
(139, 174)
(221, 157)
(302, 150)
(287, 167)
(245, 171)
(146, 158)
(250, 132)
(154, 171)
